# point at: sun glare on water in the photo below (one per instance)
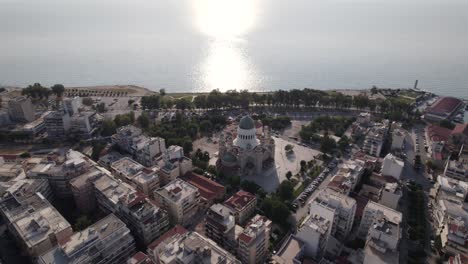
(225, 23)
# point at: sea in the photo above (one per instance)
(260, 45)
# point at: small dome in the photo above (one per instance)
(228, 157)
(247, 123)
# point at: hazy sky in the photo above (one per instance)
(295, 43)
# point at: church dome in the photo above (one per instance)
(229, 157)
(246, 122)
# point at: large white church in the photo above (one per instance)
(248, 151)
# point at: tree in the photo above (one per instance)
(343, 143)
(108, 128)
(276, 210)
(447, 124)
(36, 91)
(289, 175)
(130, 101)
(162, 92)
(289, 148)
(183, 103)
(206, 126)
(327, 144)
(286, 190)
(58, 90)
(101, 108)
(143, 120)
(97, 149)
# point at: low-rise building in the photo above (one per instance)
(9, 170)
(291, 251)
(458, 169)
(210, 191)
(191, 247)
(180, 199)
(442, 109)
(254, 241)
(459, 135)
(242, 204)
(107, 241)
(71, 105)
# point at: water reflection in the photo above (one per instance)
(226, 23)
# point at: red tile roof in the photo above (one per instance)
(460, 129)
(445, 105)
(171, 232)
(207, 188)
(245, 238)
(437, 133)
(239, 200)
(140, 258)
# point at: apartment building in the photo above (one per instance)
(341, 207)
(220, 226)
(242, 204)
(254, 241)
(180, 199)
(374, 211)
(24, 188)
(191, 247)
(347, 177)
(315, 233)
(210, 191)
(35, 224)
(382, 242)
(392, 166)
(108, 241)
(60, 174)
(375, 139)
(71, 105)
(145, 150)
(83, 189)
(9, 170)
(57, 125)
(144, 218)
(83, 125)
(458, 169)
(21, 109)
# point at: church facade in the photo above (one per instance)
(246, 150)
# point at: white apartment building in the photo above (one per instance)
(108, 241)
(392, 166)
(21, 109)
(382, 242)
(144, 218)
(398, 139)
(180, 199)
(391, 195)
(254, 241)
(191, 247)
(315, 233)
(375, 139)
(342, 207)
(374, 211)
(71, 105)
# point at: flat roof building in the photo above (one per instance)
(107, 241)
(242, 204)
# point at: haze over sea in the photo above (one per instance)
(261, 45)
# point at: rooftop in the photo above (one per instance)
(208, 189)
(289, 251)
(178, 229)
(239, 200)
(187, 247)
(177, 190)
(438, 133)
(460, 129)
(254, 228)
(126, 167)
(390, 214)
